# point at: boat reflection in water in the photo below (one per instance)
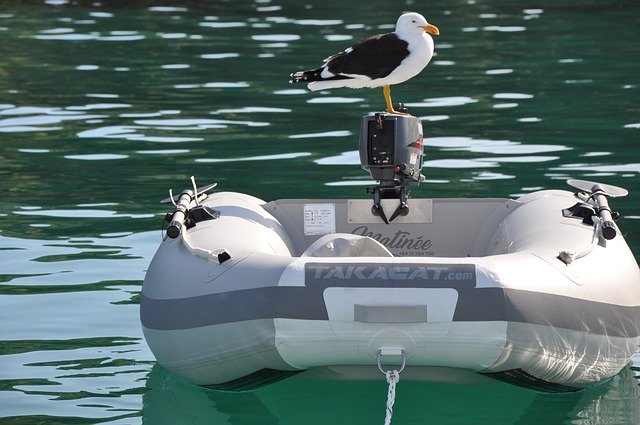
(301, 398)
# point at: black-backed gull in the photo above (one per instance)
(377, 61)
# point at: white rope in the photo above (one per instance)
(569, 257)
(393, 376)
(208, 254)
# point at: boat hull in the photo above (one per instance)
(290, 299)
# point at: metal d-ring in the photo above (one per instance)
(387, 352)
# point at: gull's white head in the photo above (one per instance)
(415, 23)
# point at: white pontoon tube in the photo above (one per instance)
(541, 291)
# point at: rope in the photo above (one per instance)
(207, 254)
(393, 376)
(569, 257)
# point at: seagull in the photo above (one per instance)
(377, 61)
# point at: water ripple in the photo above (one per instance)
(338, 37)
(34, 150)
(504, 29)
(459, 163)
(434, 117)
(290, 91)
(486, 175)
(215, 85)
(97, 157)
(216, 24)
(165, 9)
(92, 106)
(443, 101)
(175, 66)
(601, 168)
(198, 124)
(78, 213)
(252, 109)
(335, 99)
(499, 71)
(256, 158)
(318, 22)
(453, 143)
(345, 158)
(276, 37)
(335, 133)
(266, 9)
(38, 122)
(219, 55)
(129, 132)
(164, 152)
(97, 36)
(512, 96)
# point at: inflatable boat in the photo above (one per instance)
(541, 291)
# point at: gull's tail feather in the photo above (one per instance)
(306, 76)
(315, 80)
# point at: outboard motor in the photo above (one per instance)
(391, 149)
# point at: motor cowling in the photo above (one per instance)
(391, 149)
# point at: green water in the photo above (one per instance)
(104, 106)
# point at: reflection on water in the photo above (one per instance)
(167, 399)
(95, 379)
(69, 346)
(526, 153)
(104, 106)
(257, 158)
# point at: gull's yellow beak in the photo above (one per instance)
(431, 29)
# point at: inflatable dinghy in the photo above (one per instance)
(541, 291)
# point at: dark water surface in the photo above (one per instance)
(106, 105)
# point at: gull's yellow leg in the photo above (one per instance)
(386, 90)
